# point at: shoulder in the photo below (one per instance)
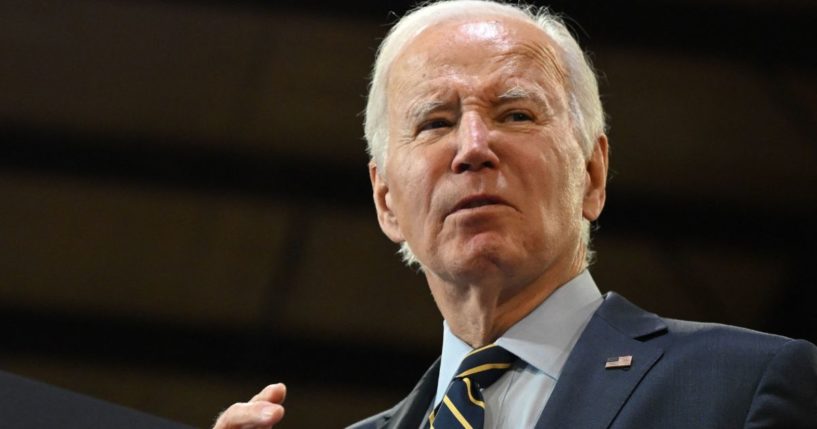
(775, 376)
(706, 339)
(711, 347)
(719, 337)
(727, 374)
(731, 343)
(711, 354)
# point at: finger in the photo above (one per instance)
(275, 393)
(250, 415)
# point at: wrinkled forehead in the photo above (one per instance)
(477, 41)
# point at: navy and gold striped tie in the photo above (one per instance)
(462, 405)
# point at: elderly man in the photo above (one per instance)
(489, 160)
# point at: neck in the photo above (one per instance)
(479, 312)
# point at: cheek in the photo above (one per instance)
(557, 175)
(572, 186)
(412, 188)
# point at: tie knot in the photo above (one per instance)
(485, 364)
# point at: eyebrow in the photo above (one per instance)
(515, 93)
(521, 93)
(422, 109)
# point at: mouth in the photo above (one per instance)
(477, 201)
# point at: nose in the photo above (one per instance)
(474, 151)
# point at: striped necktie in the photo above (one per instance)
(463, 406)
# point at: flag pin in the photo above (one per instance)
(619, 362)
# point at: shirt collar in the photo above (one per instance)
(543, 339)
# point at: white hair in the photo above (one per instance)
(586, 113)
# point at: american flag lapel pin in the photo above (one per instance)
(619, 362)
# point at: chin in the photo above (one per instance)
(480, 256)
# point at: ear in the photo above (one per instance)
(595, 192)
(383, 204)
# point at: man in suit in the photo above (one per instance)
(489, 161)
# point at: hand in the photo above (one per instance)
(263, 411)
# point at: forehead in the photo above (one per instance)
(478, 47)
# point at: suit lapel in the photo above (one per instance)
(409, 413)
(589, 396)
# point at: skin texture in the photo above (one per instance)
(263, 411)
(484, 179)
(478, 113)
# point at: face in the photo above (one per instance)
(483, 173)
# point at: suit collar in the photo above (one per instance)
(589, 396)
(409, 413)
(628, 318)
(542, 339)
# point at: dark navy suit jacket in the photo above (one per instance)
(683, 375)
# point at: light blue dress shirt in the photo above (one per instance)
(542, 340)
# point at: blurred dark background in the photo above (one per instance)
(185, 211)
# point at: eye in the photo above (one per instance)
(518, 117)
(434, 124)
